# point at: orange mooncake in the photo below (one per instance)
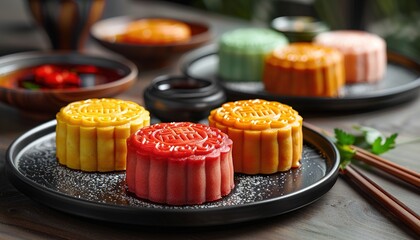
(91, 134)
(155, 31)
(364, 53)
(267, 135)
(304, 69)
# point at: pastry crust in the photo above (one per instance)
(267, 136)
(364, 54)
(91, 134)
(155, 31)
(242, 52)
(179, 163)
(304, 69)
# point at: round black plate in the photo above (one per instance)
(33, 169)
(400, 84)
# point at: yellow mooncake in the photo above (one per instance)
(267, 136)
(91, 134)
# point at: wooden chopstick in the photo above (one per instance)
(396, 207)
(394, 169)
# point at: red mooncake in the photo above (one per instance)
(179, 163)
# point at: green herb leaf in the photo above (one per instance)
(379, 146)
(343, 138)
(346, 155)
(30, 85)
(371, 139)
(370, 134)
(343, 142)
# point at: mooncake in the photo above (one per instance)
(179, 163)
(91, 134)
(242, 52)
(304, 69)
(155, 31)
(267, 135)
(364, 53)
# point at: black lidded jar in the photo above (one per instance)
(181, 98)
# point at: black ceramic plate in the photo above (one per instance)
(400, 84)
(33, 169)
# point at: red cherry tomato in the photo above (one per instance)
(42, 72)
(50, 76)
(54, 80)
(86, 69)
(71, 78)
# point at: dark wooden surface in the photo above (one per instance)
(343, 213)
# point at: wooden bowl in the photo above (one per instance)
(49, 101)
(147, 55)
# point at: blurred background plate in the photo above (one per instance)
(400, 84)
(33, 169)
(148, 55)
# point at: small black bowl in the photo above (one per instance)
(180, 98)
(299, 28)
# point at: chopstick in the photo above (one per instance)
(394, 169)
(396, 207)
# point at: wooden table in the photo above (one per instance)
(342, 213)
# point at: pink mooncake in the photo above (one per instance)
(364, 54)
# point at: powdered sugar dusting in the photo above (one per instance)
(37, 162)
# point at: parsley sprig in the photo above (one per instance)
(367, 138)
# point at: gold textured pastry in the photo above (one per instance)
(91, 134)
(267, 135)
(155, 31)
(304, 69)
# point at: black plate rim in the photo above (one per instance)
(208, 216)
(370, 100)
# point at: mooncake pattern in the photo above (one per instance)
(91, 134)
(179, 163)
(304, 69)
(267, 135)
